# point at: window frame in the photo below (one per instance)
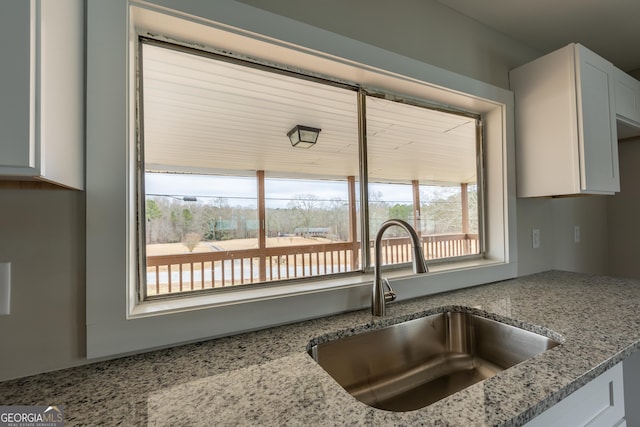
(364, 225)
(115, 324)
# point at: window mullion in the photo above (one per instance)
(365, 253)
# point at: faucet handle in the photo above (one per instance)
(389, 295)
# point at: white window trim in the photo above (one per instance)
(115, 324)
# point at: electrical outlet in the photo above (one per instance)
(535, 238)
(576, 234)
(5, 288)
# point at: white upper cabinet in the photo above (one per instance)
(42, 91)
(627, 95)
(566, 137)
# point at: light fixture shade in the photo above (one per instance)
(303, 136)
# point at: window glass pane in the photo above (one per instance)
(217, 132)
(421, 162)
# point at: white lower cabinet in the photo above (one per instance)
(600, 403)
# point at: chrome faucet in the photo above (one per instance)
(379, 297)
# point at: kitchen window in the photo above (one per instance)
(117, 321)
(229, 202)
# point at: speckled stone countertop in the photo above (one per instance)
(267, 377)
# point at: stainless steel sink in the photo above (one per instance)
(412, 364)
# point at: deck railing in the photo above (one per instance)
(168, 274)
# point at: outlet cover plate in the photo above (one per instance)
(535, 238)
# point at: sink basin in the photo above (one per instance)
(412, 364)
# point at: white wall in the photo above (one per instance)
(42, 232)
(42, 235)
(624, 214)
(590, 255)
(420, 29)
(535, 214)
(556, 218)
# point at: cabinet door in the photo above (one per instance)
(17, 97)
(547, 137)
(599, 403)
(596, 123)
(61, 92)
(627, 95)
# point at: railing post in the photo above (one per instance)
(353, 223)
(262, 232)
(464, 196)
(417, 214)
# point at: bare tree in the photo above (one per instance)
(191, 240)
(304, 206)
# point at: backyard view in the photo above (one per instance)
(306, 234)
(213, 223)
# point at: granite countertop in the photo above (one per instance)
(267, 377)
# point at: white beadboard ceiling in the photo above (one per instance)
(207, 116)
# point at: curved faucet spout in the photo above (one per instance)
(379, 296)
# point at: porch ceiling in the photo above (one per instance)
(208, 116)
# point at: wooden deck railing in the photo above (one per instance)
(187, 272)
